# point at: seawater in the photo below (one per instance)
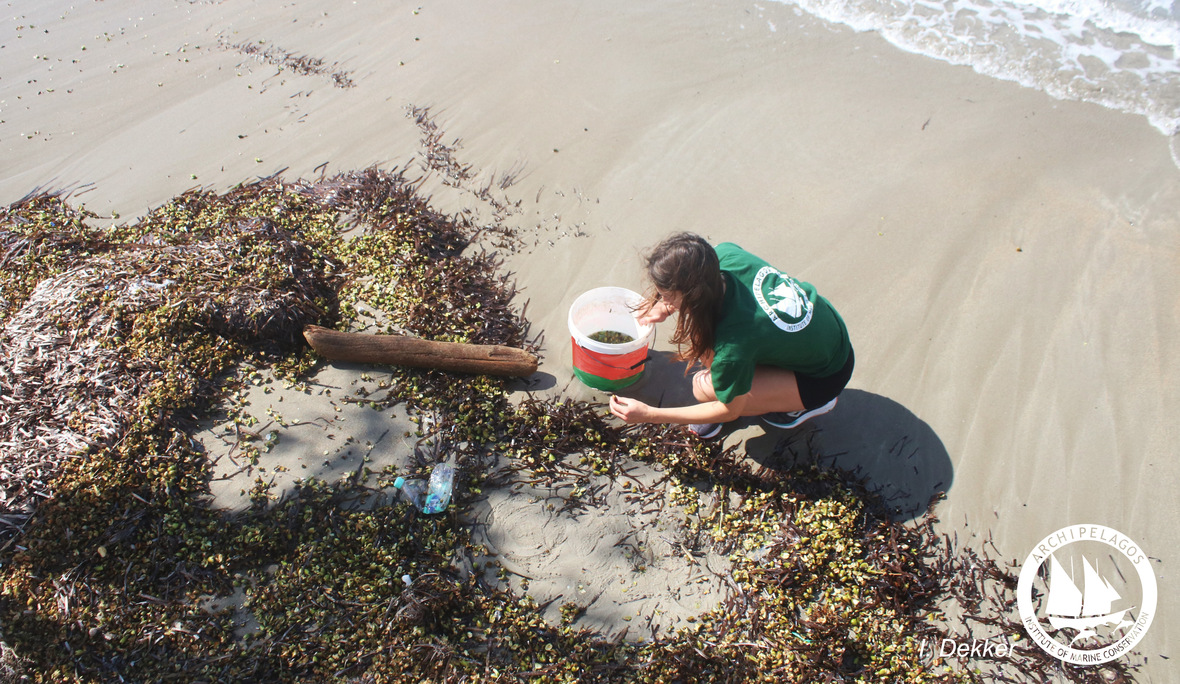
(1122, 54)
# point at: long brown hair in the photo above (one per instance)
(687, 264)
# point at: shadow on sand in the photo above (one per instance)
(897, 454)
(877, 439)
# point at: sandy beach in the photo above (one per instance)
(1008, 264)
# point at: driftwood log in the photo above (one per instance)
(402, 350)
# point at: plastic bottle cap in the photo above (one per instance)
(399, 482)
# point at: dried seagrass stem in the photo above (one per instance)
(400, 350)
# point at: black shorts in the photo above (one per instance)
(816, 392)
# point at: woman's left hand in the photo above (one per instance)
(657, 313)
(630, 410)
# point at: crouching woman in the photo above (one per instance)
(769, 345)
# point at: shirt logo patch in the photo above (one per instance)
(782, 299)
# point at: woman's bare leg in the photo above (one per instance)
(773, 390)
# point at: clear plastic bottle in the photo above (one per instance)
(433, 496)
(438, 492)
(415, 490)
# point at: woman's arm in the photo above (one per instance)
(635, 411)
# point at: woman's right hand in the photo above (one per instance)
(630, 410)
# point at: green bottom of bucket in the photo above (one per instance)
(601, 383)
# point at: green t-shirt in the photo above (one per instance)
(769, 318)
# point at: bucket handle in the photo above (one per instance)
(635, 365)
(642, 361)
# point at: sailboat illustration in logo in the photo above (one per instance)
(789, 301)
(1082, 609)
(1080, 617)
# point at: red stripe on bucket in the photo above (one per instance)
(608, 366)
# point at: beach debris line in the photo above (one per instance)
(438, 157)
(304, 65)
(124, 337)
(411, 351)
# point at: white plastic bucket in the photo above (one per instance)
(600, 365)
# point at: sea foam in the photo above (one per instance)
(1121, 54)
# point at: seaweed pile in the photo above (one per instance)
(117, 341)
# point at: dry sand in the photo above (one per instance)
(1007, 264)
